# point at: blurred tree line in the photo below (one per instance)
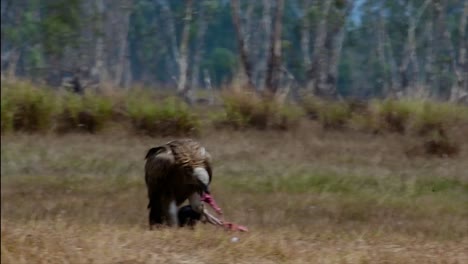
(332, 48)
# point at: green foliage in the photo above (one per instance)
(334, 115)
(155, 118)
(392, 115)
(42, 30)
(311, 105)
(330, 114)
(360, 185)
(430, 117)
(244, 109)
(27, 108)
(7, 113)
(60, 25)
(88, 113)
(221, 64)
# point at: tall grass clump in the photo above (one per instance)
(245, 109)
(391, 115)
(7, 113)
(311, 105)
(165, 117)
(89, 113)
(334, 115)
(27, 108)
(429, 117)
(433, 123)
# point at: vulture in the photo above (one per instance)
(174, 172)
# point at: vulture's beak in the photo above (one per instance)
(205, 187)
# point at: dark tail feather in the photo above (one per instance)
(154, 151)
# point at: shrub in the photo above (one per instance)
(430, 116)
(88, 113)
(311, 106)
(168, 117)
(391, 115)
(26, 108)
(364, 122)
(244, 109)
(441, 147)
(334, 115)
(435, 145)
(287, 116)
(7, 113)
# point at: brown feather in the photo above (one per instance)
(169, 172)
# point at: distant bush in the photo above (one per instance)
(168, 117)
(437, 144)
(334, 115)
(89, 113)
(244, 109)
(27, 108)
(391, 115)
(312, 106)
(7, 113)
(430, 117)
(441, 147)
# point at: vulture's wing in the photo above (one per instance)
(191, 155)
(159, 163)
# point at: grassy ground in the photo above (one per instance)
(307, 196)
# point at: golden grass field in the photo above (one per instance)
(307, 196)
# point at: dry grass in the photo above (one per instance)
(42, 242)
(308, 196)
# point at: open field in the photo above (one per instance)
(307, 196)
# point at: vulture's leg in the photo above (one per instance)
(155, 213)
(172, 213)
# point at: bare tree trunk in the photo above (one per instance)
(381, 53)
(332, 76)
(260, 70)
(305, 35)
(169, 23)
(393, 91)
(127, 72)
(249, 18)
(460, 89)
(123, 43)
(334, 60)
(10, 11)
(410, 57)
(429, 63)
(5, 52)
(208, 87)
(13, 62)
(318, 59)
(99, 70)
(183, 54)
(194, 82)
(442, 49)
(247, 67)
(273, 73)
